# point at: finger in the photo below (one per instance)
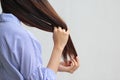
(72, 63)
(64, 30)
(55, 29)
(68, 63)
(59, 28)
(78, 61)
(75, 65)
(71, 68)
(68, 31)
(72, 56)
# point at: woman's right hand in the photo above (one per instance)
(60, 37)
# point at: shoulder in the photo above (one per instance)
(14, 32)
(10, 29)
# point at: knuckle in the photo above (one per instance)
(66, 33)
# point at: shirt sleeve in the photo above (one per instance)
(27, 54)
(31, 65)
(39, 72)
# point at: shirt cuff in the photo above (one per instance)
(49, 74)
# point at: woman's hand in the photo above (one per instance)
(70, 66)
(60, 37)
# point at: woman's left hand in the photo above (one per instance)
(69, 66)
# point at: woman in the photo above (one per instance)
(20, 52)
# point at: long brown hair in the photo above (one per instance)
(40, 14)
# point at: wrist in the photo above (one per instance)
(58, 47)
(55, 58)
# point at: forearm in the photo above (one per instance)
(60, 38)
(55, 58)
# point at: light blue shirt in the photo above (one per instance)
(20, 52)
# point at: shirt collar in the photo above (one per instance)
(8, 17)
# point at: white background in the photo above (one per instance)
(95, 30)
